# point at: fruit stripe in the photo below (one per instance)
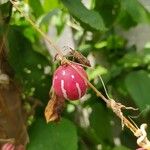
(63, 89)
(79, 90)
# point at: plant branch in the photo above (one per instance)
(47, 38)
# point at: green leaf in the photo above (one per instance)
(121, 148)
(28, 64)
(89, 17)
(101, 124)
(50, 5)
(46, 18)
(107, 8)
(5, 13)
(36, 7)
(126, 20)
(53, 136)
(99, 70)
(136, 10)
(138, 85)
(131, 60)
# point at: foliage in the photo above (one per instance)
(86, 124)
(53, 136)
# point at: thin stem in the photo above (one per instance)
(107, 101)
(47, 38)
(130, 125)
(104, 87)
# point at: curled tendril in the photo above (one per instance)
(142, 140)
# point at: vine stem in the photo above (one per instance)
(116, 107)
(47, 38)
(107, 101)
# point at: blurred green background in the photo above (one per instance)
(115, 36)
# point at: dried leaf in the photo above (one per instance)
(54, 108)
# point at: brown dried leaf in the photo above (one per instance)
(50, 115)
(54, 108)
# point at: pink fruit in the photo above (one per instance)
(68, 83)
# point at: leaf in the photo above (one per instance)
(28, 64)
(138, 85)
(100, 122)
(45, 19)
(98, 70)
(136, 10)
(132, 60)
(121, 148)
(5, 13)
(89, 17)
(54, 108)
(126, 20)
(108, 10)
(54, 136)
(50, 5)
(36, 7)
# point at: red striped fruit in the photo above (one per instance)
(68, 83)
